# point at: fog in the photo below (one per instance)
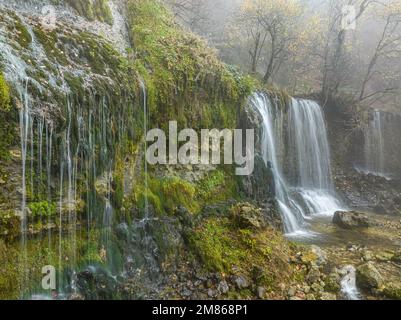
(301, 44)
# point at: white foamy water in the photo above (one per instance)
(348, 284)
(312, 193)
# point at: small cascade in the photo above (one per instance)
(145, 130)
(311, 191)
(311, 163)
(308, 136)
(271, 115)
(374, 147)
(25, 123)
(348, 284)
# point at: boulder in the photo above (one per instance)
(223, 287)
(351, 220)
(368, 277)
(261, 293)
(393, 291)
(332, 282)
(247, 216)
(241, 282)
(313, 275)
(320, 254)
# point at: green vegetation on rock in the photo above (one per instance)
(92, 10)
(185, 80)
(7, 121)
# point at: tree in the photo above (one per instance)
(388, 48)
(270, 26)
(193, 13)
(336, 58)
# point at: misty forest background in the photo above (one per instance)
(301, 45)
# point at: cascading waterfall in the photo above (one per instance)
(313, 178)
(312, 192)
(271, 116)
(374, 147)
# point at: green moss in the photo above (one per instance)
(7, 120)
(42, 253)
(9, 225)
(42, 209)
(24, 37)
(93, 10)
(4, 94)
(49, 41)
(166, 195)
(222, 246)
(216, 186)
(181, 72)
(216, 247)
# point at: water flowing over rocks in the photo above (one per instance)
(77, 193)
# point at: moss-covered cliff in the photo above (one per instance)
(85, 197)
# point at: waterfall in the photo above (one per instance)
(312, 192)
(271, 117)
(374, 147)
(308, 134)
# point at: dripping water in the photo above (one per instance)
(25, 122)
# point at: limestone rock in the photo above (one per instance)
(368, 277)
(247, 216)
(351, 220)
(320, 254)
(223, 287)
(241, 282)
(261, 293)
(313, 276)
(393, 291)
(332, 282)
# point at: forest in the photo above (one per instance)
(200, 150)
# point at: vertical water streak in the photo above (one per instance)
(145, 130)
(49, 150)
(374, 147)
(60, 226)
(25, 122)
(40, 164)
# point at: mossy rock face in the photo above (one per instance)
(92, 9)
(4, 94)
(185, 79)
(18, 30)
(7, 119)
(9, 225)
(255, 254)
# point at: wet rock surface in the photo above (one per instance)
(351, 220)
